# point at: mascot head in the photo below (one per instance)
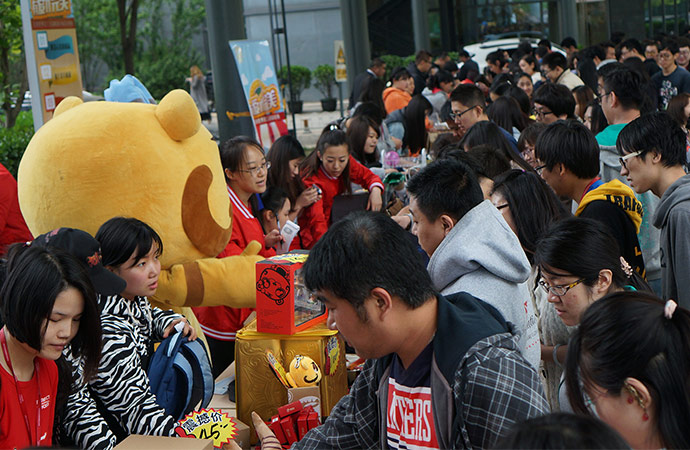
(97, 160)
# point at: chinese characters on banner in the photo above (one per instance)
(255, 66)
(55, 51)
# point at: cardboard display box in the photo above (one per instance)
(258, 388)
(138, 442)
(283, 303)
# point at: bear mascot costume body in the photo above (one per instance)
(97, 160)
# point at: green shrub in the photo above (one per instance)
(301, 80)
(13, 141)
(392, 63)
(324, 76)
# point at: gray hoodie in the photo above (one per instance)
(482, 256)
(673, 218)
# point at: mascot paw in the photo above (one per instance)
(252, 249)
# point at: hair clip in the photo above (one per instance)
(670, 308)
(333, 127)
(625, 267)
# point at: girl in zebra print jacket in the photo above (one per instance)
(118, 401)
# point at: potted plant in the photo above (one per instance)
(324, 76)
(300, 77)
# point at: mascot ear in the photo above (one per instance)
(178, 115)
(67, 103)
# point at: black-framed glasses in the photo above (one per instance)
(541, 113)
(539, 169)
(456, 116)
(500, 207)
(561, 289)
(254, 171)
(600, 97)
(623, 159)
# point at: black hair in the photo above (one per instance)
(584, 247)
(627, 335)
(628, 86)
(533, 205)
(414, 113)
(443, 143)
(121, 237)
(676, 108)
(654, 132)
(553, 60)
(670, 45)
(273, 200)
(283, 150)
(377, 62)
(506, 113)
(584, 95)
(487, 132)
(469, 95)
(450, 66)
(530, 134)
(541, 51)
(369, 244)
(452, 152)
(531, 59)
(400, 73)
(599, 122)
(520, 96)
(557, 98)
(496, 57)
(35, 277)
(492, 161)
(500, 85)
(561, 431)
(441, 76)
(331, 136)
(422, 56)
(372, 91)
(570, 143)
(568, 42)
(463, 54)
(232, 152)
(371, 110)
(595, 51)
(357, 134)
(445, 187)
(648, 42)
(633, 44)
(544, 43)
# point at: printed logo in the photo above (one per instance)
(274, 284)
(410, 417)
(45, 402)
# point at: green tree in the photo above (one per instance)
(97, 29)
(127, 14)
(13, 79)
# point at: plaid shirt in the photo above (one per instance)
(494, 387)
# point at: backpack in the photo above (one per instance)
(180, 375)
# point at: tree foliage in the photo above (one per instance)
(13, 79)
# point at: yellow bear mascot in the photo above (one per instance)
(98, 160)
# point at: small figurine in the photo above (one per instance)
(303, 372)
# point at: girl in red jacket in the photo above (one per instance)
(246, 169)
(331, 168)
(47, 301)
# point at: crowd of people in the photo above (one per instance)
(526, 291)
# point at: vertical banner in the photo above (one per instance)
(52, 47)
(340, 65)
(260, 83)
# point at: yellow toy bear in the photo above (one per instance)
(98, 160)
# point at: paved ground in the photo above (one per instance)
(308, 124)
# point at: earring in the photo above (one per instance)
(645, 416)
(630, 400)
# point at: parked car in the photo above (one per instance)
(480, 51)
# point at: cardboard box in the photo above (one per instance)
(138, 442)
(258, 389)
(309, 397)
(283, 303)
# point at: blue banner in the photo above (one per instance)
(59, 47)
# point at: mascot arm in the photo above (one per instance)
(227, 281)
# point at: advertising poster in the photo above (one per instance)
(260, 83)
(55, 51)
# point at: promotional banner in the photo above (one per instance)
(260, 83)
(53, 49)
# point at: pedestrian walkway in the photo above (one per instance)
(308, 123)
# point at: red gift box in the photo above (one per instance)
(290, 408)
(288, 426)
(274, 425)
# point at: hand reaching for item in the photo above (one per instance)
(375, 202)
(267, 439)
(186, 330)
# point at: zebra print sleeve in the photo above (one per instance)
(160, 320)
(123, 386)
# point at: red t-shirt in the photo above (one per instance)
(12, 226)
(315, 219)
(13, 431)
(222, 322)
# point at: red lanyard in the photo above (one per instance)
(20, 396)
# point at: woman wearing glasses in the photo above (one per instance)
(580, 263)
(246, 170)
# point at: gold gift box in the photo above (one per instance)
(257, 387)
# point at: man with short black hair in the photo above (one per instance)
(419, 69)
(468, 107)
(554, 67)
(569, 155)
(651, 50)
(496, 62)
(377, 69)
(471, 247)
(570, 46)
(622, 96)
(441, 371)
(553, 102)
(469, 69)
(671, 80)
(653, 156)
(683, 56)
